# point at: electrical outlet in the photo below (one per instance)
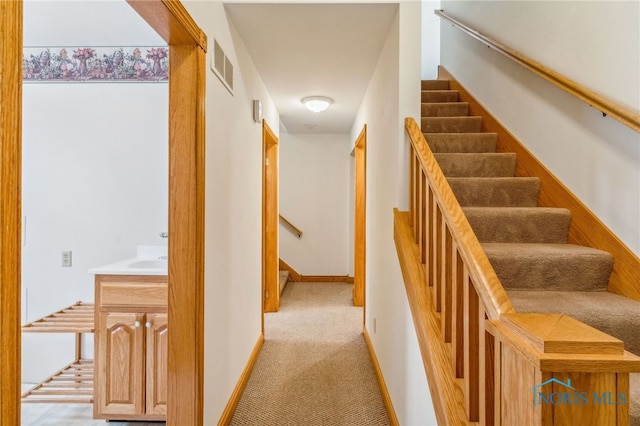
(66, 258)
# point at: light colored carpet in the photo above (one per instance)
(314, 368)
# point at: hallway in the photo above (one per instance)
(314, 368)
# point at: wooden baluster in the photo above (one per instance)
(457, 312)
(439, 259)
(492, 380)
(447, 278)
(423, 188)
(417, 178)
(471, 350)
(487, 366)
(412, 187)
(431, 207)
(622, 385)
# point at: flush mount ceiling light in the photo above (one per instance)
(317, 103)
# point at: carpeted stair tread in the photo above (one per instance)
(496, 192)
(435, 84)
(283, 278)
(610, 313)
(439, 96)
(451, 124)
(486, 164)
(445, 109)
(519, 224)
(560, 267)
(461, 142)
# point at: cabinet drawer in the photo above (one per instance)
(132, 294)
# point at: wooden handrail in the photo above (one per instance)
(488, 286)
(627, 116)
(291, 226)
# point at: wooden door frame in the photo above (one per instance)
(360, 226)
(10, 209)
(187, 78)
(270, 214)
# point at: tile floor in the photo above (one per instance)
(34, 414)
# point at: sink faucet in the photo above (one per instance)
(164, 235)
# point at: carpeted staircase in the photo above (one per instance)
(283, 279)
(526, 244)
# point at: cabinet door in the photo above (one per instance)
(157, 363)
(119, 376)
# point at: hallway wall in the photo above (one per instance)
(595, 43)
(393, 94)
(314, 196)
(233, 206)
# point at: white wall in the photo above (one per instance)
(393, 94)
(233, 212)
(94, 172)
(430, 40)
(314, 196)
(596, 44)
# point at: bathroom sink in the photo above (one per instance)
(149, 264)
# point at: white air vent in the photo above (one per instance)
(221, 66)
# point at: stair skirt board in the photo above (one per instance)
(528, 246)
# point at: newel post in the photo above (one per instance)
(550, 369)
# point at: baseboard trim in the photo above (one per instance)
(295, 276)
(230, 409)
(391, 412)
(326, 279)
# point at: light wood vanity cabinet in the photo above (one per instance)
(130, 347)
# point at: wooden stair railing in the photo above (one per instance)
(291, 226)
(625, 115)
(485, 363)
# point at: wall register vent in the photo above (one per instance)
(222, 66)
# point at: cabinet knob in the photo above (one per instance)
(148, 324)
(137, 324)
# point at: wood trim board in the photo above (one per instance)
(187, 79)
(326, 279)
(360, 219)
(232, 404)
(10, 209)
(386, 398)
(295, 276)
(270, 218)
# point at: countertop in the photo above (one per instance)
(149, 260)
